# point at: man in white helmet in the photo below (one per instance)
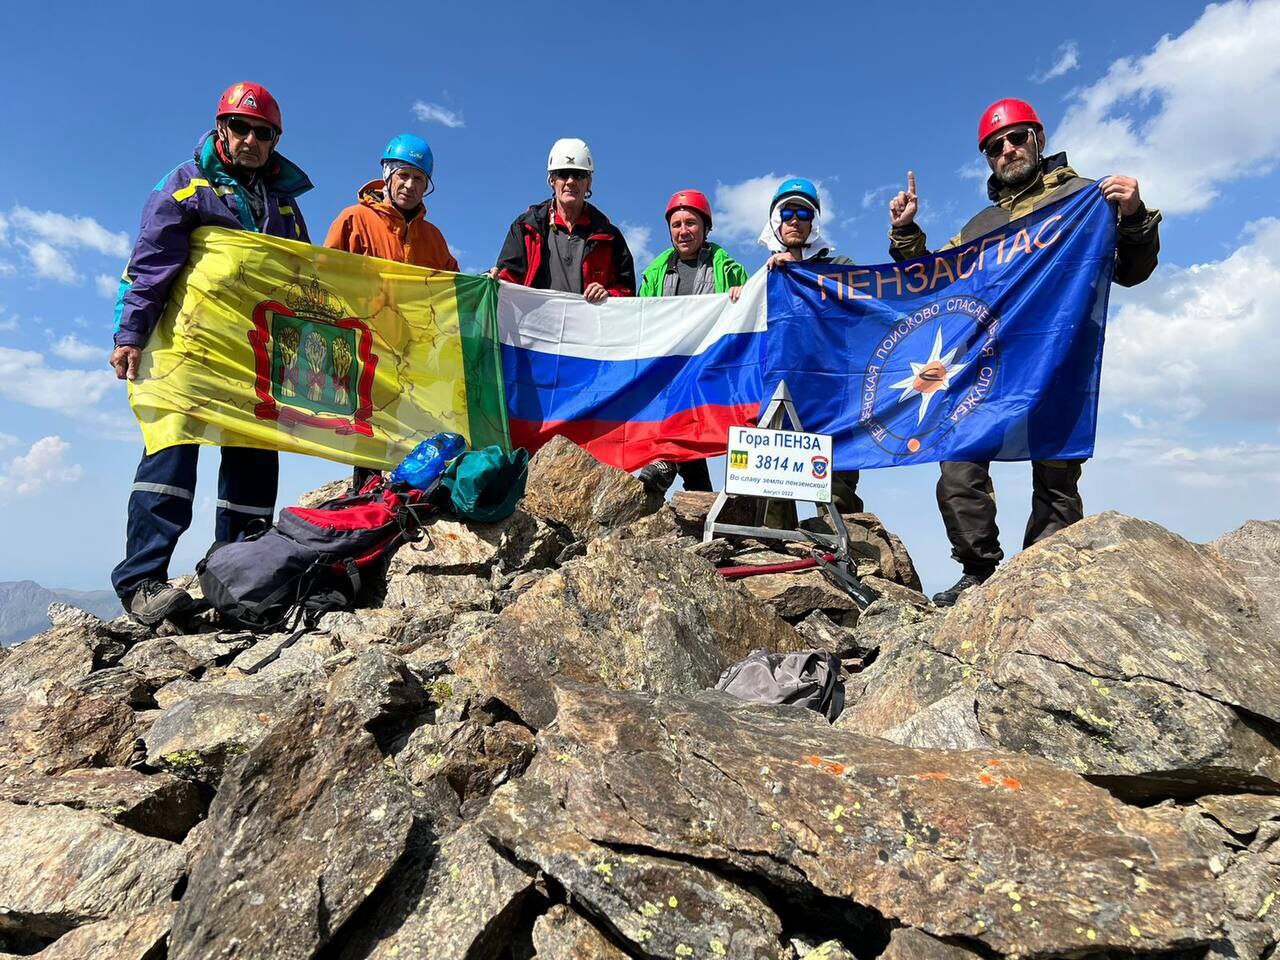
(565, 243)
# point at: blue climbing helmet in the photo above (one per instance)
(797, 187)
(410, 149)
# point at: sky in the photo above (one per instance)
(106, 98)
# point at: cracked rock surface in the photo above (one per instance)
(508, 751)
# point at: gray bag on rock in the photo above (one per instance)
(810, 679)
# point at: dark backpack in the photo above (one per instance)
(310, 561)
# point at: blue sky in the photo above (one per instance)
(105, 98)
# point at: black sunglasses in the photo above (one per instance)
(995, 146)
(241, 128)
(803, 214)
(570, 174)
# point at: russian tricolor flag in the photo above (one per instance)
(632, 380)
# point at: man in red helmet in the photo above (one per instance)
(1011, 136)
(691, 265)
(236, 179)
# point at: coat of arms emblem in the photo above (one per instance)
(314, 364)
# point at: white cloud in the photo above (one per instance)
(1199, 342)
(638, 239)
(51, 263)
(44, 465)
(879, 196)
(434, 113)
(76, 350)
(7, 440)
(1238, 464)
(742, 209)
(1211, 99)
(26, 378)
(4, 230)
(1068, 59)
(69, 232)
(106, 285)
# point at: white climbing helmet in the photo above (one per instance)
(570, 153)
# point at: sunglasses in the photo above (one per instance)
(241, 128)
(995, 146)
(803, 214)
(570, 174)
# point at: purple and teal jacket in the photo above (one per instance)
(197, 193)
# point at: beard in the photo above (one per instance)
(1018, 173)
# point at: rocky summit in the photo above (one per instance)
(511, 749)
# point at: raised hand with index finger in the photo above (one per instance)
(902, 208)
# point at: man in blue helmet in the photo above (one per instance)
(390, 221)
(794, 234)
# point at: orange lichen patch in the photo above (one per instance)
(986, 780)
(1012, 783)
(830, 766)
(933, 775)
(993, 762)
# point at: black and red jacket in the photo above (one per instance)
(605, 259)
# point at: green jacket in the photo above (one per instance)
(728, 272)
(1137, 236)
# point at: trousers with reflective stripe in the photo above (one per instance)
(161, 501)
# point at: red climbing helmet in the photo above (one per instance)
(250, 100)
(1006, 113)
(694, 200)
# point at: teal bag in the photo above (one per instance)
(486, 485)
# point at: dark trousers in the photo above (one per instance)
(967, 501)
(695, 475)
(160, 503)
(362, 475)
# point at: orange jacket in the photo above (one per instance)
(376, 228)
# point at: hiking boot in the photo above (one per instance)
(948, 597)
(658, 477)
(155, 601)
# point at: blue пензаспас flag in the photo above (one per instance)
(988, 351)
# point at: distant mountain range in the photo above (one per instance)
(24, 605)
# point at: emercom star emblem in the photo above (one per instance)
(929, 378)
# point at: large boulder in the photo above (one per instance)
(200, 735)
(439, 595)
(54, 728)
(456, 900)
(520, 542)
(629, 615)
(62, 868)
(156, 804)
(65, 653)
(1114, 647)
(907, 943)
(1254, 550)
(662, 906)
(140, 937)
(568, 486)
(300, 834)
(561, 934)
(1009, 850)
(379, 687)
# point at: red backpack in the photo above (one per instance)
(310, 561)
